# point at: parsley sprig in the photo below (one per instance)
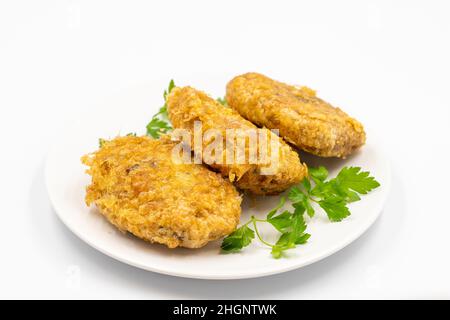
(222, 101)
(291, 225)
(160, 123)
(331, 195)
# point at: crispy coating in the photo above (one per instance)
(303, 119)
(139, 189)
(186, 105)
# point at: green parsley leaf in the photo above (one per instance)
(294, 236)
(222, 101)
(171, 85)
(325, 189)
(352, 196)
(281, 222)
(283, 244)
(162, 111)
(160, 121)
(302, 239)
(318, 174)
(306, 184)
(280, 246)
(156, 127)
(278, 207)
(239, 239)
(335, 207)
(169, 89)
(334, 195)
(101, 142)
(296, 195)
(352, 178)
(307, 205)
(299, 225)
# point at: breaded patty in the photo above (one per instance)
(186, 105)
(139, 189)
(303, 119)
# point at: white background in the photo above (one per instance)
(386, 61)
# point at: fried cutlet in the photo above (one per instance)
(187, 105)
(140, 189)
(302, 118)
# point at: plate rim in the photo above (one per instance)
(316, 258)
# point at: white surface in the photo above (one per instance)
(66, 181)
(385, 61)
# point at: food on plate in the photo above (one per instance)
(187, 105)
(302, 118)
(138, 188)
(140, 185)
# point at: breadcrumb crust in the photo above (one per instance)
(139, 189)
(303, 119)
(186, 105)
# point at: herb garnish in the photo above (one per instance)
(332, 196)
(222, 101)
(160, 122)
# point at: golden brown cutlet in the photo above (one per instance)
(138, 188)
(186, 105)
(302, 118)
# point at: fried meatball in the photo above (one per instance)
(303, 119)
(139, 189)
(187, 105)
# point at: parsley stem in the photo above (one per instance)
(254, 220)
(247, 223)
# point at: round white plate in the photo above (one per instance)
(129, 112)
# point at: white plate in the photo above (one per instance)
(129, 112)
